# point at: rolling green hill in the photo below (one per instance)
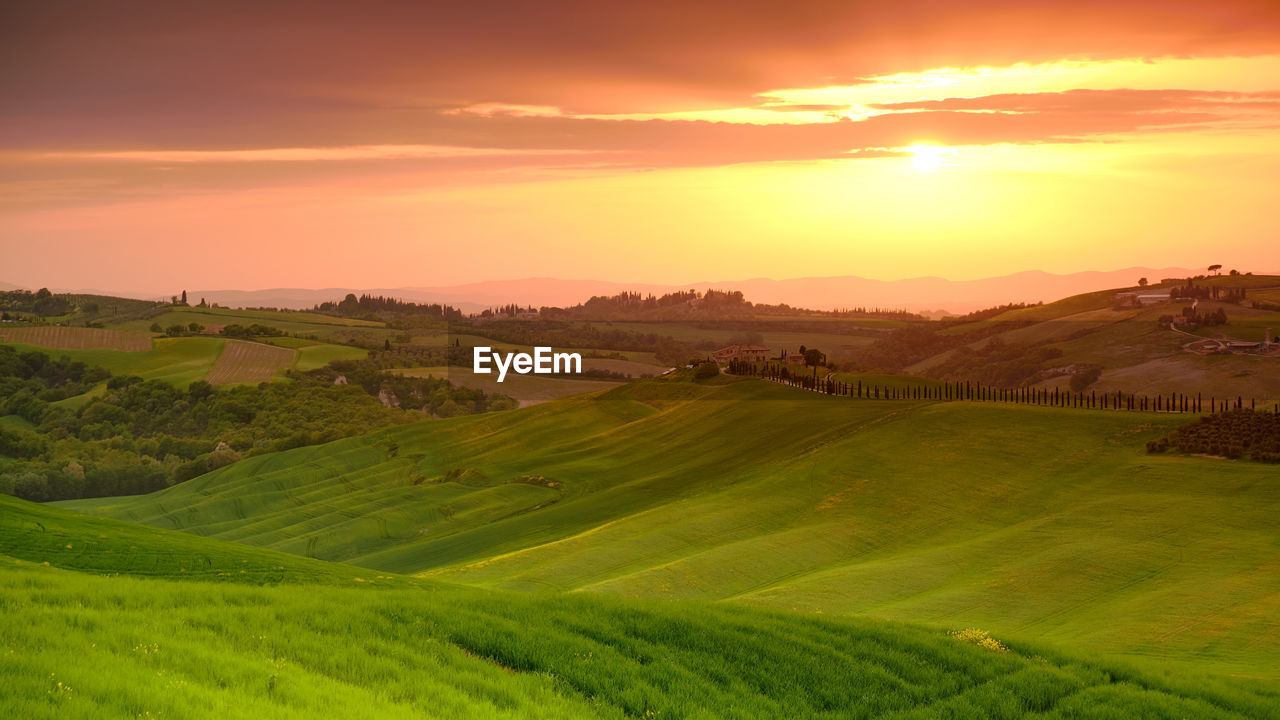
(104, 620)
(1037, 522)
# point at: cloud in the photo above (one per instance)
(89, 74)
(1112, 101)
(460, 149)
(294, 154)
(104, 101)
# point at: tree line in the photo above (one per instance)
(41, 303)
(691, 304)
(377, 307)
(975, 392)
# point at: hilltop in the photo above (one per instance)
(1104, 341)
(1042, 522)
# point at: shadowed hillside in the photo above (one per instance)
(1132, 349)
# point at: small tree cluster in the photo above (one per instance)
(1234, 434)
(1208, 319)
(254, 330)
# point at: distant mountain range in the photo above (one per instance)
(930, 295)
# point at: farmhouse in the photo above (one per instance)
(741, 353)
(1212, 346)
(1138, 299)
(795, 359)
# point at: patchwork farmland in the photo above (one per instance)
(73, 338)
(249, 362)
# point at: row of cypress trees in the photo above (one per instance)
(944, 391)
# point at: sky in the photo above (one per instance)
(148, 145)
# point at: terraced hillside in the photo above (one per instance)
(1037, 522)
(275, 636)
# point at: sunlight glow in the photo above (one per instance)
(928, 158)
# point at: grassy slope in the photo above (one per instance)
(312, 354)
(179, 361)
(636, 363)
(324, 327)
(289, 321)
(530, 389)
(183, 360)
(14, 421)
(833, 344)
(881, 380)
(293, 638)
(1039, 522)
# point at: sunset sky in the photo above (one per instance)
(265, 144)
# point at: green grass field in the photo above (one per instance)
(183, 360)
(285, 320)
(312, 355)
(835, 345)
(178, 361)
(13, 421)
(882, 380)
(1039, 523)
(526, 389)
(335, 329)
(636, 363)
(114, 620)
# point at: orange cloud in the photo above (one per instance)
(321, 154)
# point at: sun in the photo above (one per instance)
(927, 158)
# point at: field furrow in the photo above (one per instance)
(249, 362)
(73, 338)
